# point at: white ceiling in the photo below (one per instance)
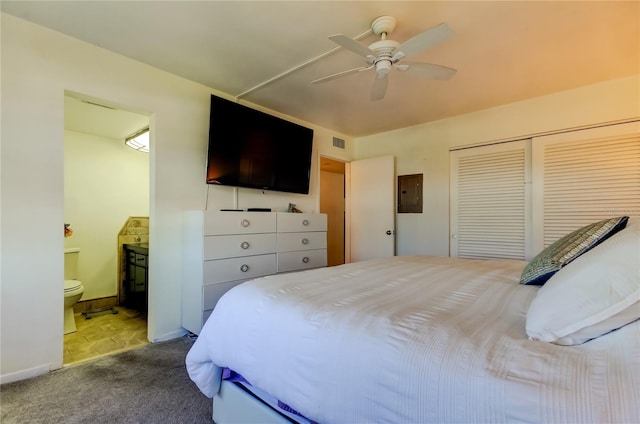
(504, 51)
(93, 117)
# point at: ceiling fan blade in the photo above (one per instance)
(379, 87)
(353, 46)
(341, 74)
(422, 41)
(438, 72)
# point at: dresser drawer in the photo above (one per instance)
(231, 246)
(301, 241)
(212, 292)
(300, 222)
(205, 316)
(307, 259)
(239, 223)
(223, 270)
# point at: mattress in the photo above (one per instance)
(413, 339)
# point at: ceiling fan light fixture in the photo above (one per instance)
(383, 67)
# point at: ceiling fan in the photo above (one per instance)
(385, 54)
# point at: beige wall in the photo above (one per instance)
(105, 182)
(38, 66)
(425, 148)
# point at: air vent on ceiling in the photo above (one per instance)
(338, 142)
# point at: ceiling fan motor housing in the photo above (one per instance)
(383, 60)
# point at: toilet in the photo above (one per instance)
(73, 288)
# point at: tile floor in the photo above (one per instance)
(104, 334)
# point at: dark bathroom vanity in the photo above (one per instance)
(136, 282)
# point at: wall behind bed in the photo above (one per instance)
(425, 148)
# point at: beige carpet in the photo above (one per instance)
(145, 385)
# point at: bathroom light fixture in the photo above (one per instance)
(139, 140)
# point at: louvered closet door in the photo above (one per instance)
(490, 201)
(583, 176)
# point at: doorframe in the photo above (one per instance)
(347, 212)
(110, 104)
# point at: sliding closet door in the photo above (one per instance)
(512, 200)
(580, 177)
(490, 201)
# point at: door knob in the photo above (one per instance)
(388, 232)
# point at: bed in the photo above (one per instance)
(419, 339)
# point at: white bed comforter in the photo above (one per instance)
(416, 340)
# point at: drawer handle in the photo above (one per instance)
(305, 222)
(305, 241)
(245, 245)
(305, 260)
(245, 223)
(244, 268)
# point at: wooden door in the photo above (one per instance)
(332, 203)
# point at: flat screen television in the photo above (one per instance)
(249, 148)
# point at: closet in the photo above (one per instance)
(512, 199)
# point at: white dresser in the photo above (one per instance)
(224, 249)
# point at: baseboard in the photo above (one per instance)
(93, 304)
(170, 336)
(24, 374)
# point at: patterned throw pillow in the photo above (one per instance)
(569, 247)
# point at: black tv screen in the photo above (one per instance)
(249, 148)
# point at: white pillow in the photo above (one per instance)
(595, 294)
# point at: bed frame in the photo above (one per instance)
(234, 404)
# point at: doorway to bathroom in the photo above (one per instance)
(332, 203)
(106, 206)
